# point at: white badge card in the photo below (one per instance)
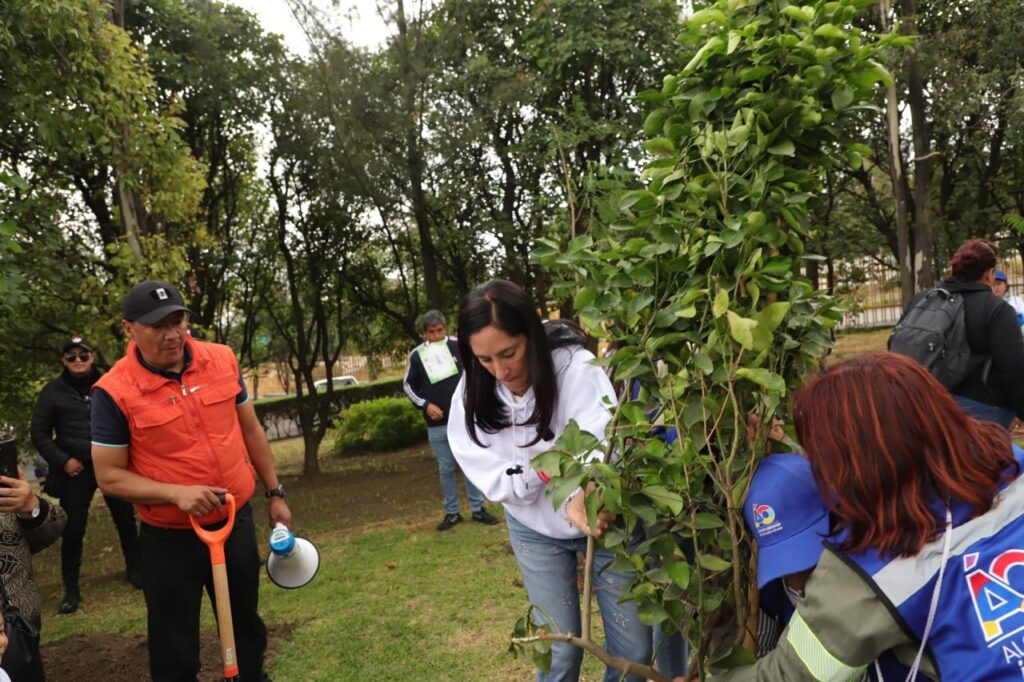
(438, 361)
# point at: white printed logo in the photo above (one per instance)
(161, 294)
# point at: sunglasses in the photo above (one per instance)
(81, 357)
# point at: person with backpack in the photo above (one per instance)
(967, 337)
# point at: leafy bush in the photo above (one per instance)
(382, 424)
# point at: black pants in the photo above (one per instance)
(176, 568)
(76, 498)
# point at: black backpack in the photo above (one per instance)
(933, 332)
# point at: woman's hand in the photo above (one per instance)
(16, 496)
(576, 514)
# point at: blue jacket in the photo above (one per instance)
(978, 632)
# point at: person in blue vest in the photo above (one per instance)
(926, 557)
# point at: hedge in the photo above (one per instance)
(381, 424)
(277, 413)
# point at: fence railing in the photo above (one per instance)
(872, 290)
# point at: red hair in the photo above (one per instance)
(886, 442)
(973, 259)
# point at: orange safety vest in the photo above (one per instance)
(185, 433)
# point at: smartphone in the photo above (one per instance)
(9, 458)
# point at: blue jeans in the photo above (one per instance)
(549, 572)
(993, 413)
(447, 467)
(671, 653)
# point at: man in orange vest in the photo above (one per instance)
(173, 427)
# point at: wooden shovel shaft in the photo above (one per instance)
(224, 624)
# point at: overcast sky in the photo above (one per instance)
(363, 26)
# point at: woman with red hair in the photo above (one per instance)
(926, 557)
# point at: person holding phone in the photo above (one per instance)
(60, 431)
(28, 524)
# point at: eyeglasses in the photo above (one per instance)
(81, 357)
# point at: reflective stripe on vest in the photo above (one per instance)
(822, 665)
(901, 578)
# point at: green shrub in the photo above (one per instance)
(382, 424)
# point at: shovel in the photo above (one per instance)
(214, 539)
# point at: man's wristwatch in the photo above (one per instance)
(275, 492)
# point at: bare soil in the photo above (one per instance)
(352, 492)
(124, 657)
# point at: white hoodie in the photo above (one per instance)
(582, 388)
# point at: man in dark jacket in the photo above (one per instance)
(994, 388)
(430, 380)
(61, 433)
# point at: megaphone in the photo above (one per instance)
(293, 561)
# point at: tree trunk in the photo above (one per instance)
(414, 160)
(922, 157)
(899, 183)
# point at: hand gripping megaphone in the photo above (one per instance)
(293, 561)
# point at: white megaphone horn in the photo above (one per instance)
(293, 561)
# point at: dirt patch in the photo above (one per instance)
(124, 657)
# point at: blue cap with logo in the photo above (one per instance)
(786, 516)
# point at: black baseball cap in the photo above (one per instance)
(76, 342)
(151, 301)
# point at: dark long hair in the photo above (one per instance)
(508, 307)
(886, 441)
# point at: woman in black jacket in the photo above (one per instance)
(60, 431)
(994, 388)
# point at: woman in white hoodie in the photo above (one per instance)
(523, 382)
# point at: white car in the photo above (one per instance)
(339, 382)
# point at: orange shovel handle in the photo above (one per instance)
(215, 539)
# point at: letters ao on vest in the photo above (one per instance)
(185, 433)
(978, 633)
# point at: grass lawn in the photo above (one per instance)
(851, 344)
(393, 600)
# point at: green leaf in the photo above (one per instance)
(679, 572)
(721, 303)
(804, 14)
(772, 315)
(660, 146)
(703, 361)
(664, 497)
(741, 329)
(706, 16)
(764, 378)
(830, 31)
(707, 521)
(713, 563)
(737, 657)
(842, 98)
(654, 121)
(652, 613)
(784, 148)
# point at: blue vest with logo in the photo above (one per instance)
(978, 631)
